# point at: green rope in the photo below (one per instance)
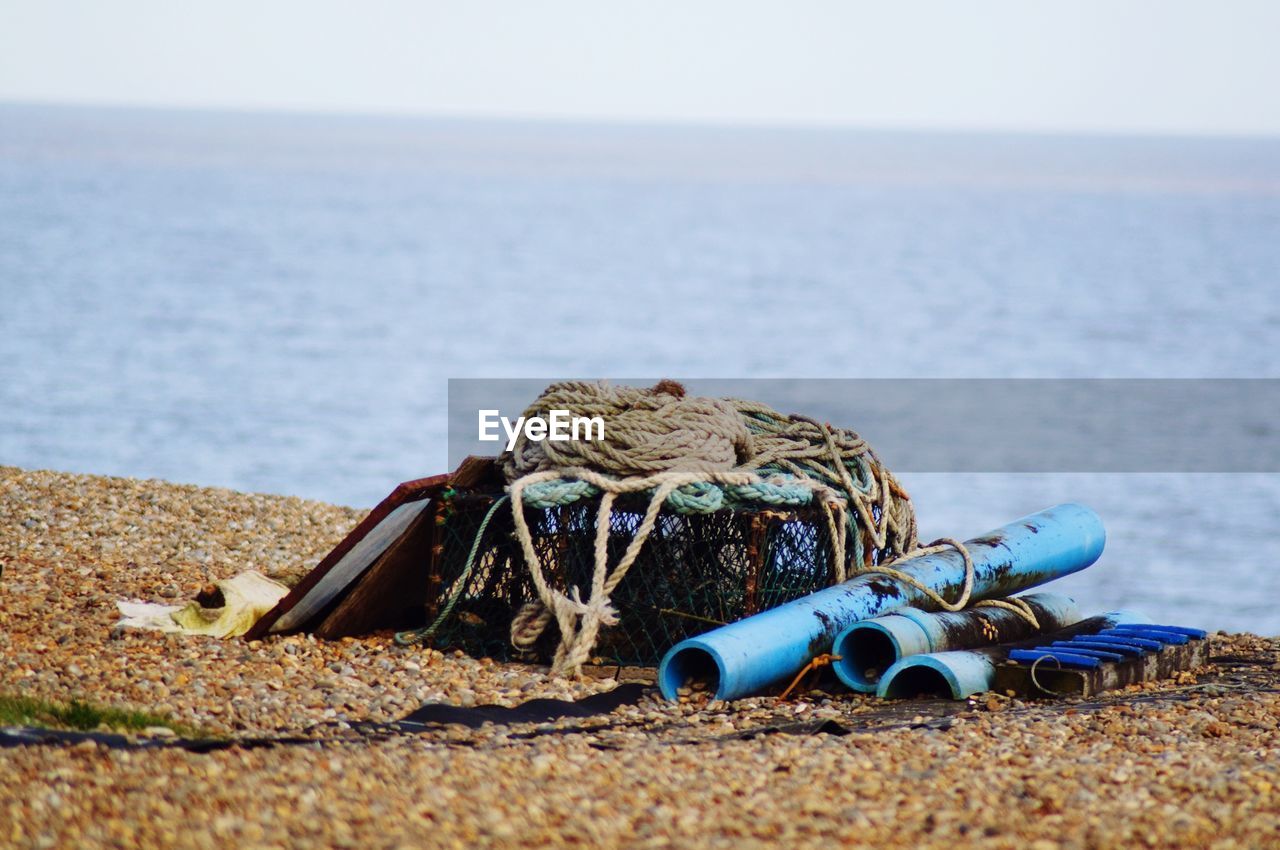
(459, 585)
(551, 494)
(702, 497)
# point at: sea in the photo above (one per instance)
(276, 302)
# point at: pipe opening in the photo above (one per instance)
(691, 669)
(865, 654)
(919, 681)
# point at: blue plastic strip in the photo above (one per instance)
(1195, 634)
(1130, 640)
(1149, 634)
(1168, 637)
(1146, 642)
(1079, 649)
(1158, 633)
(1109, 645)
(1066, 659)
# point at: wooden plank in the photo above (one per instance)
(476, 473)
(393, 593)
(351, 568)
(1050, 681)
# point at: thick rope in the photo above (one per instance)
(661, 429)
(942, 544)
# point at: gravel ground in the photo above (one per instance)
(1187, 763)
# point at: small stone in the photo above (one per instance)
(1126, 768)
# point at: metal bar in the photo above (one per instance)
(757, 534)
(435, 558)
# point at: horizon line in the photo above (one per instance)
(639, 121)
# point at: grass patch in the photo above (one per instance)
(81, 716)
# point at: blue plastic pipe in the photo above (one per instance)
(1063, 659)
(869, 648)
(962, 673)
(959, 673)
(745, 657)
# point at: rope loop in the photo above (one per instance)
(942, 544)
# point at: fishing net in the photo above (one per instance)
(695, 572)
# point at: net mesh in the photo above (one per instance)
(695, 572)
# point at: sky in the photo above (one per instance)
(1115, 66)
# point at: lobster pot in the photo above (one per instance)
(695, 571)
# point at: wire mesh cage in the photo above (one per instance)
(694, 572)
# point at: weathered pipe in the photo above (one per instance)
(869, 648)
(960, 673)
(750, 655)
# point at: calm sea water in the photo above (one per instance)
(274, 303)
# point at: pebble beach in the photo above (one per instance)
(1189, 762)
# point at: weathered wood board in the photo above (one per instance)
(1016, 679)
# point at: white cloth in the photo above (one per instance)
(248, 597)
